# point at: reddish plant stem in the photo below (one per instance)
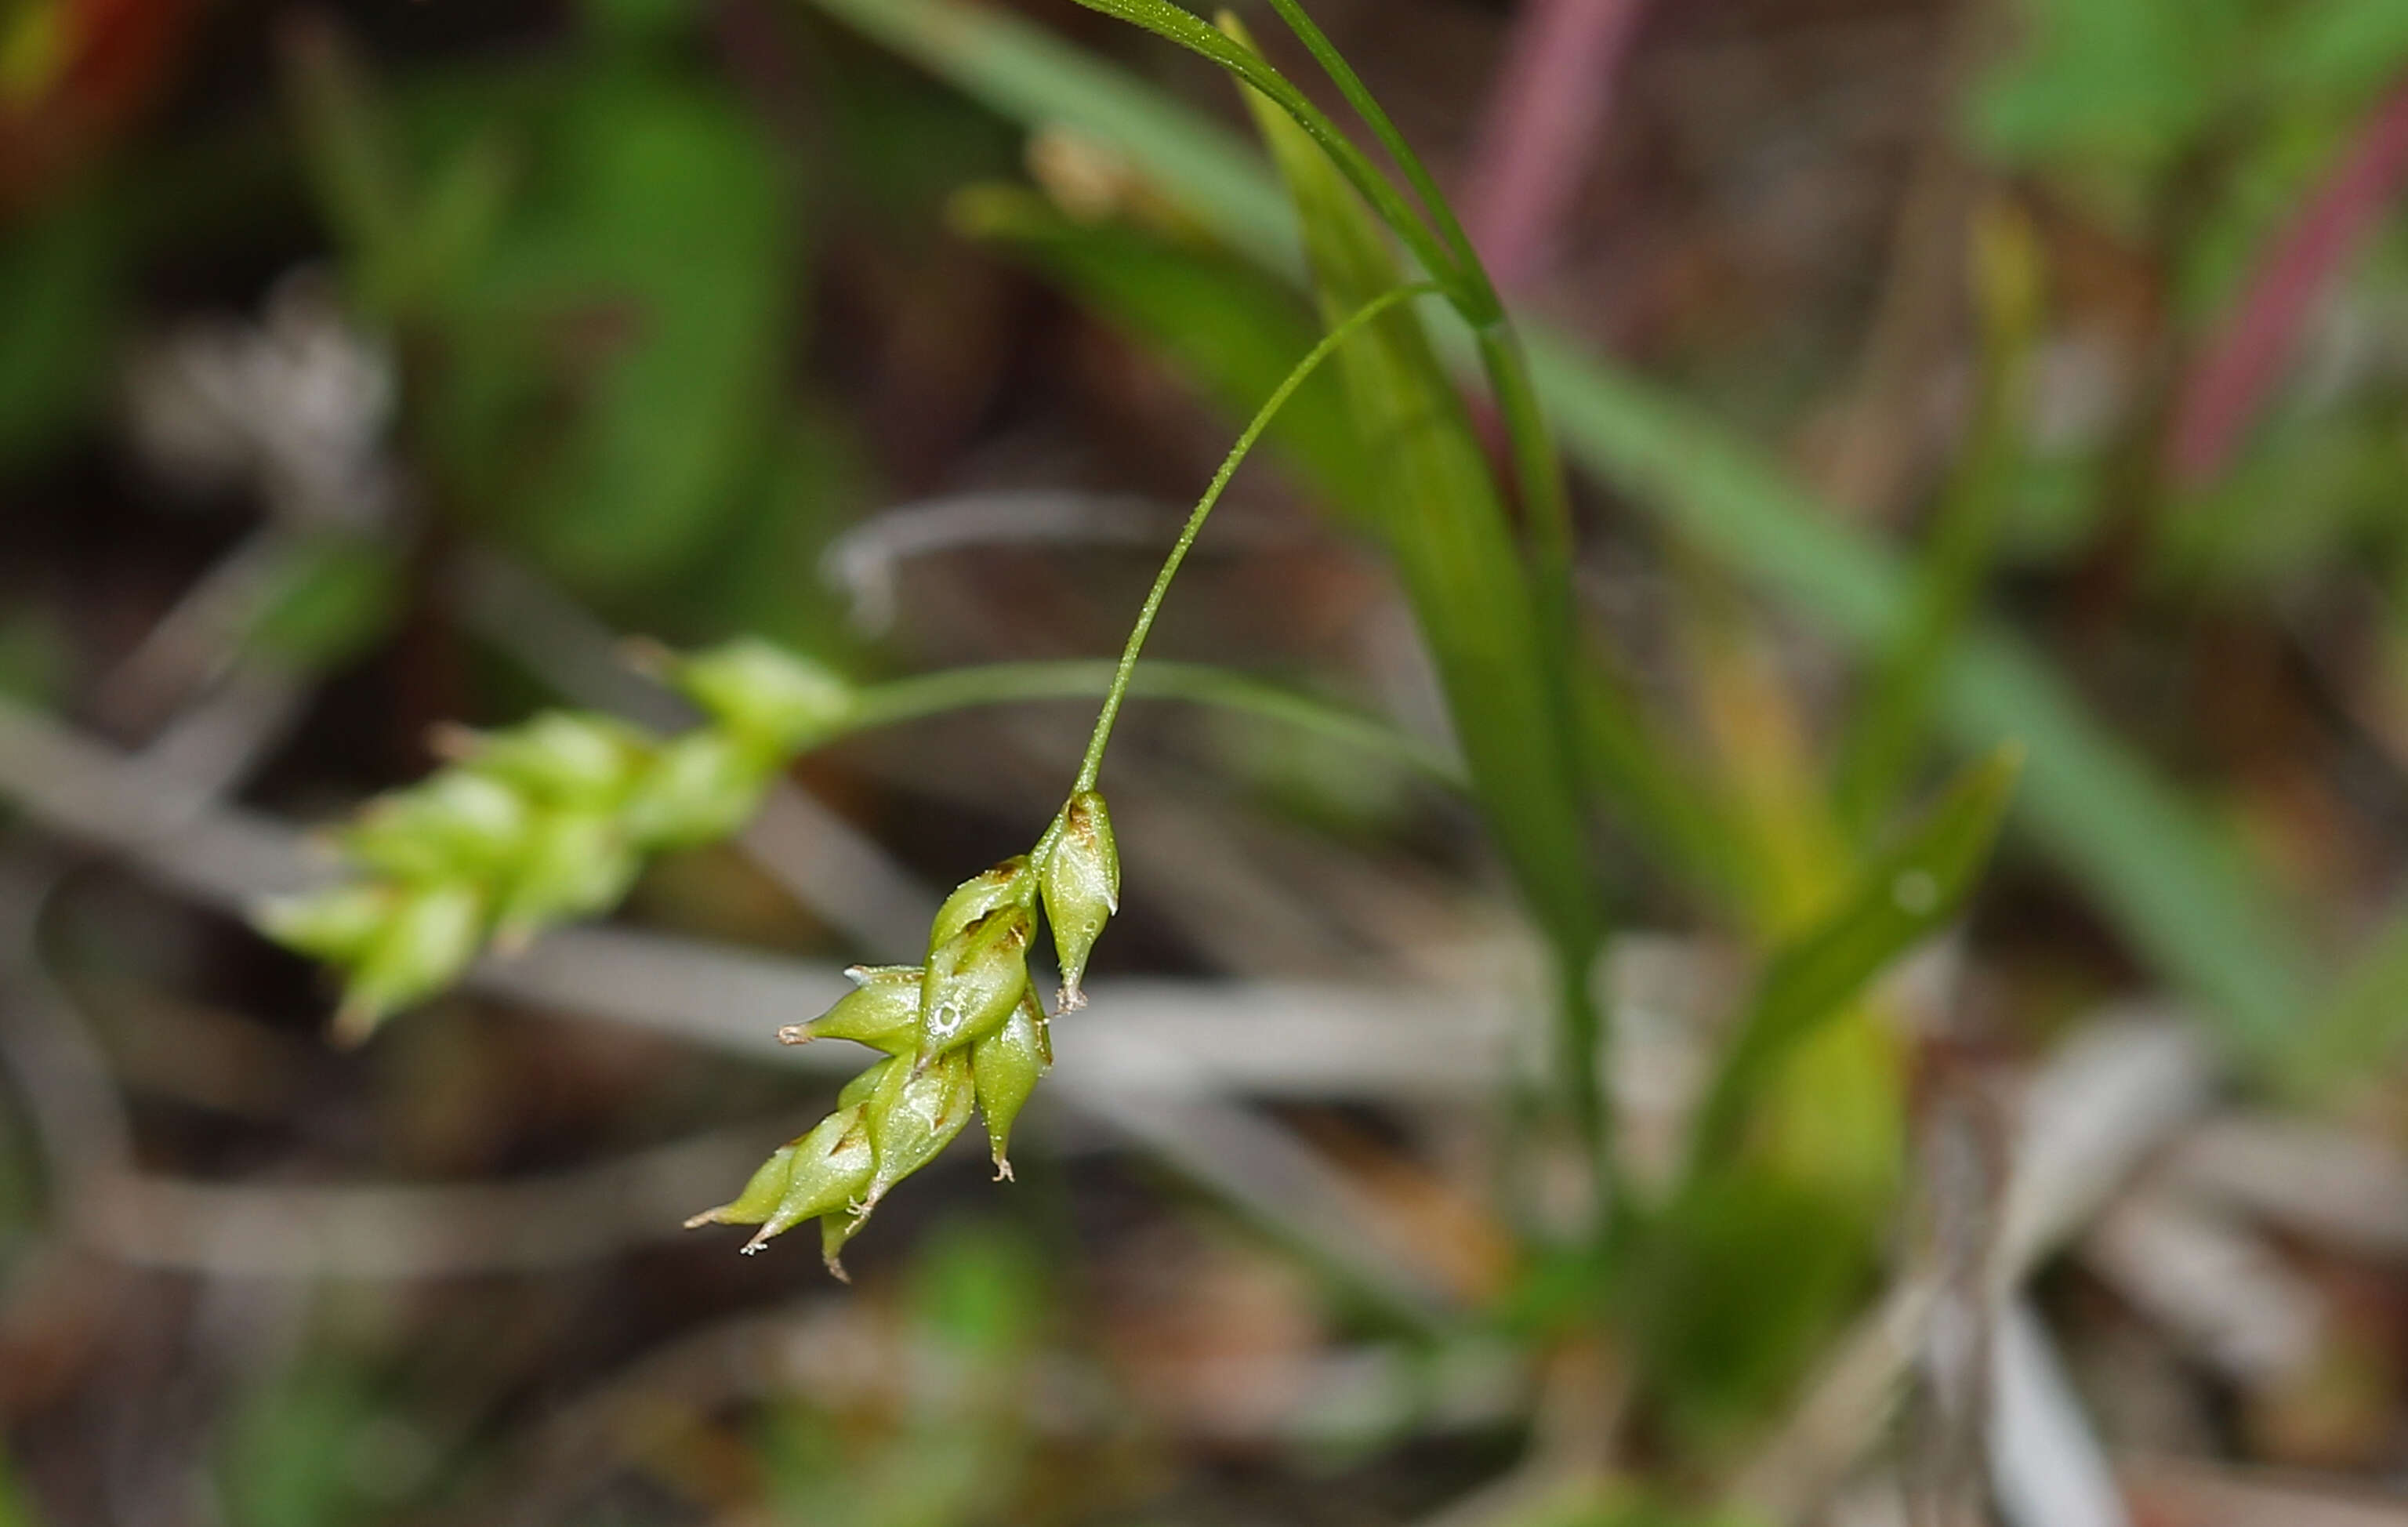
(2241, 363)
(1545, 113)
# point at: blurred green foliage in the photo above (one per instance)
(315, 1446)
(327, 599)
(62, 316)
(2113, 99)
(958, 1446)
(14, 1509)
(2195, 131)
(601, 273)
(643, 281)
(33, 653)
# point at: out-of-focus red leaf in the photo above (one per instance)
(66, 94)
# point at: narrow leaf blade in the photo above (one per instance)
(1901, 898)
(1444, 526)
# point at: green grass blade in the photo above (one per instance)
(2359, 1027)
(2096, 806)
(1892, 722)
(347, 150)
(2188, 901)
(1022, 72)
(1901, 898)
(1444, 526)
(1536, 468)
(1486, 309)
(1185, 27)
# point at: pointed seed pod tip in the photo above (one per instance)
(1082, 885)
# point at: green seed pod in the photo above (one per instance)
(913, 1115)
(762, 1190)
(562, 758)
(1081, 879)
(1010, 884)
(821, 1172)
(974, 981)
(1003, 1069)
(456, 824)
(886, 1080)
(699, 788)
(883, 1012)
(335, 925)
(865, 1087)
(832, 1170)
(772, 697)
(575, 863)
(423, 946)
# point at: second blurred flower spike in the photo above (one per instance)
(770, 695)
(423, 946)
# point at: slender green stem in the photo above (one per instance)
(1094, 762)
(920, 695)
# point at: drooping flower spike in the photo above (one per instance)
(963, 1033)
